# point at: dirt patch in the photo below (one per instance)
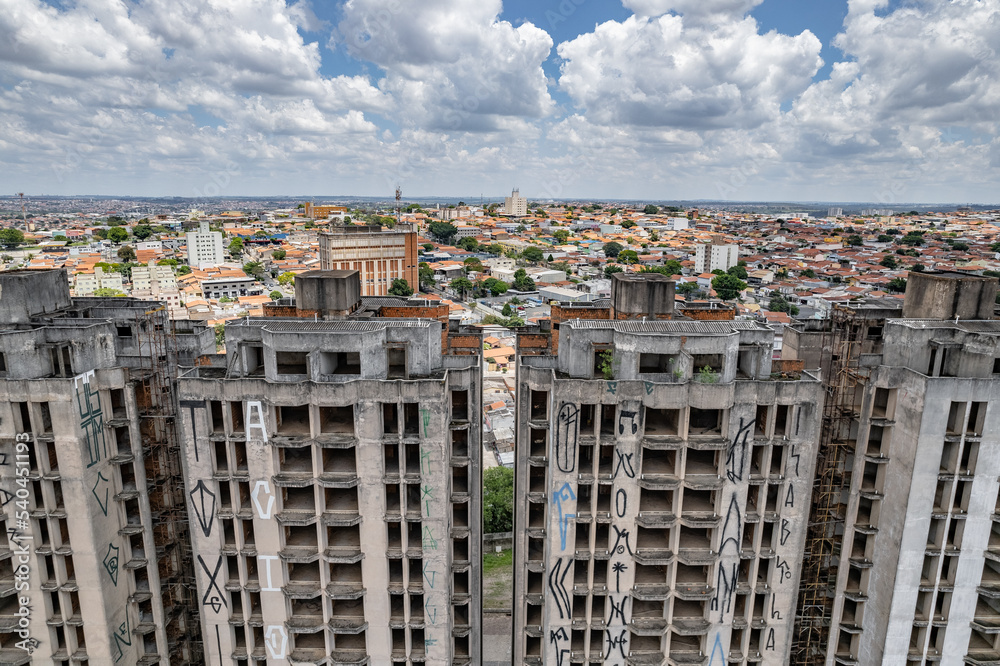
(498, 580)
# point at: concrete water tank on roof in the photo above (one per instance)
(329, 292)
(949, 295)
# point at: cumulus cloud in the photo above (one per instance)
(914, 102)
(179, 84)
(692, 8)
(684, 99)
(451, 64)
(662, 72)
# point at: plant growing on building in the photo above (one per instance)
(606, 364)
(708, 376)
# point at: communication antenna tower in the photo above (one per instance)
(399, 198)
(21, 195)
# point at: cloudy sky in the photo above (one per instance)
(850, 100)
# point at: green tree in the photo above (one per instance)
(469, 244)
(897, 284)
(507, 310)
(738, 271)
(498, 500)
(688, 288)
(522, 282)
(533, 254)
(142, 231)
(426, 274)
(254, 269)
(473, 265)
(653, 236)
(918, 268)
(628, 224)
(104, 292)
(913, 238)
(728, 287)
(101, 234)
(427, 247)
(278, 255)
(126, 253)
(495, 248)
(461, 285)
(808, 273)
(779, 303)
(889, 262)
(495, 286)
(995, 246)
(611, 269)
(220, 336)
(183, 270)
(650, 209)
(275, 295)
(883, 238)
(628, 257)
(11, 238)
(286, 279)
(236, 248)
(561, 235)
(117, 235)
(400, 287)
(442, 231)
(960, 246)
(167, 262)
(612, 249)
(855, 241)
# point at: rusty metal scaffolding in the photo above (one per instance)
(164, 483)
(852, 333)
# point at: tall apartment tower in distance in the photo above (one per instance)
(515, 205)
(916, 520)
(204, 247)
(96, 558)
(333, 460)
(378, 255)
(708, 258)
(663, 475)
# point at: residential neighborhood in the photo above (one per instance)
(498, 268)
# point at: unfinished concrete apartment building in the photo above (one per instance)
(663, 474)
(332, 461)
(912, 519)
(95, 559)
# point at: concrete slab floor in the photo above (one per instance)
(497, 639)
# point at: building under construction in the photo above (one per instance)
(899, 563)
(97, 565)
(333, 461)
(663, 468)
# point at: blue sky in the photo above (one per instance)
(615, 99)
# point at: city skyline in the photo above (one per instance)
(867, 100)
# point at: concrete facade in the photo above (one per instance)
(204, 247)
(918, 581)
(379, 255)
(660, 511)
(95, 562)
(708, 258)
(515, 205)
(335, 468)
(231, 287)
